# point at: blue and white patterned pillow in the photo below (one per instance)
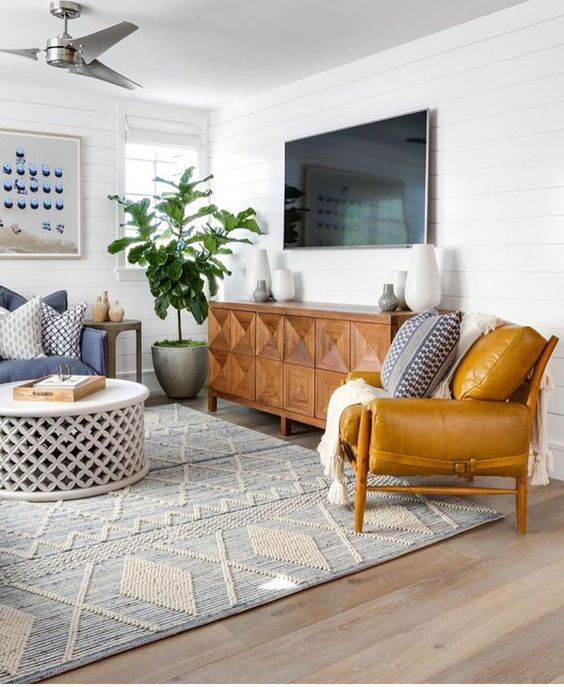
(61, 332)
(421, 354)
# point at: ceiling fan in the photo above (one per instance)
(79, 55)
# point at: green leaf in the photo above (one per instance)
(121, 244)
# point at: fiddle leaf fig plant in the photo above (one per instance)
(181, 240)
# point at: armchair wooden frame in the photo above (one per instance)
(360, 463)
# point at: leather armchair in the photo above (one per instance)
(485, 430)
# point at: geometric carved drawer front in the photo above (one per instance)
(299, 389)
(219, 329)
(219, 370)
(73, 452)
(325, 384)
(369, 345)
(242, 376)
(332, 345)
(270, 335)
(299, 341)
(242, 332)
(269, 382)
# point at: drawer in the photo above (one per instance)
(332, 345)
(369, 345)
(270, 382)
(270, 336)
(299, 341)
(325, 384)
(299, 389)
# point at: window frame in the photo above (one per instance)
(123, 270)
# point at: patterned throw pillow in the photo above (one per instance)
(20, 332)
(61, 332)
(421, 354)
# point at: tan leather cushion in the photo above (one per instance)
(497, 364)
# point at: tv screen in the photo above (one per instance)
(362, 186)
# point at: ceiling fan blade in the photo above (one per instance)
(94, 44)
(97, 70)
(24, 52)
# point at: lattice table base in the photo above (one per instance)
(71, 457)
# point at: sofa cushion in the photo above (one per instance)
(61, 331)
(20, 370)
(10, 300)
(20, 332)
(420, 354)
(497, 364)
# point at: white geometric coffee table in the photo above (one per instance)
(51, 451)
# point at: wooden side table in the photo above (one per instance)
(113, 330)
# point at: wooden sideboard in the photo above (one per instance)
(288, 358)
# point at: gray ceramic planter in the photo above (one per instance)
(181, 372)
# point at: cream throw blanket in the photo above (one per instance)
(473, 326)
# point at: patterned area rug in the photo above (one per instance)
(227, 519)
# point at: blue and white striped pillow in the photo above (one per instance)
(421, 354)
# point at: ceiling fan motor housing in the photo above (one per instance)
(59, 54)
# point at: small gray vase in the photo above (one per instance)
(388, 301)
(261, 293)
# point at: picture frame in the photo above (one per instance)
(40, 195)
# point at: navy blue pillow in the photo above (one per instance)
(11, 300)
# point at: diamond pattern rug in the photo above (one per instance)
(227, 519)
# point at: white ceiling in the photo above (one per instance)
(207, 52)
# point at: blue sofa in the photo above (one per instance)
(92, 346)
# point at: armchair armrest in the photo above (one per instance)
(93, 349)
(448, 430)
(371, 377)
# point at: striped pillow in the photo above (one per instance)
(421, 354)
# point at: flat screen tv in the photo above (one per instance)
(365, 186)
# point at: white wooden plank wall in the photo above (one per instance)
(96, 121)
(496, 90)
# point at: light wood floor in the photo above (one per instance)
(486, 606)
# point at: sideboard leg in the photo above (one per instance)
(285, 426)
(212, 401)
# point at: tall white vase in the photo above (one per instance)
(283, 288)
(258, 269)
(423, 283)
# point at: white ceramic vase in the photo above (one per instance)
(258, 270)
(398, 280)
(423, 283)
(283, 288)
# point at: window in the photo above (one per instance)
(144, 163)
(153, 148)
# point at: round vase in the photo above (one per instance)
(398, 280)
(261, 293)
(99, 310)
(283, 288)
(116, 312)
(423, 283)
(258, 270)
(388, 301)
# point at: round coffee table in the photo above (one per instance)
(51, 451)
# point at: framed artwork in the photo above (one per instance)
(40, 213)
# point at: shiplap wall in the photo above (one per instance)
(495, 87)
(99, 122)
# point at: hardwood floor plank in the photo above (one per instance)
(417, 653)
(529, 654)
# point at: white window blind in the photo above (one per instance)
(163, 132)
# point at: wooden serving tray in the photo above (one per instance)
(28, 392)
